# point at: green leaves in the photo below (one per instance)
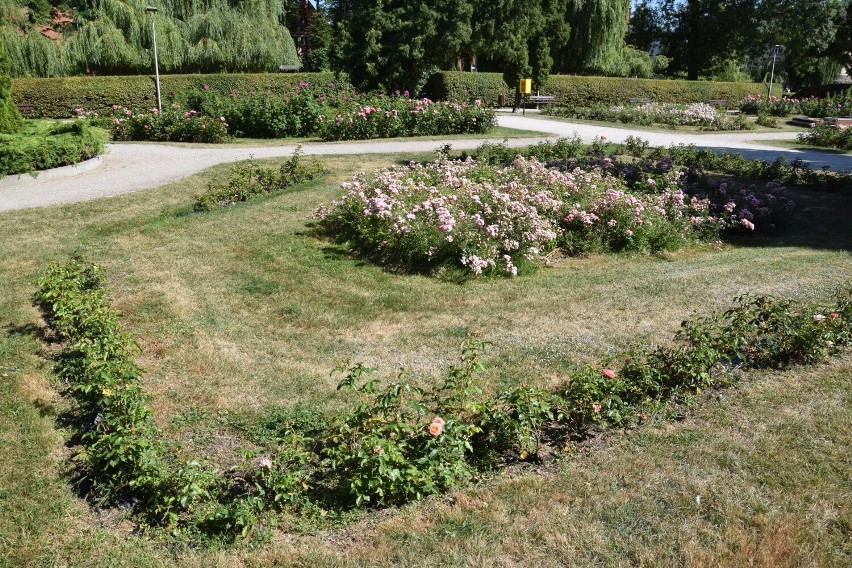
(247, 181)
(402, 441)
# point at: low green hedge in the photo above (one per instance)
(58, 97)
(586, 91)
(63, 146)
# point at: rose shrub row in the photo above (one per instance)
(402, 441)
(832, 106)
(247, 181)
(212, 117)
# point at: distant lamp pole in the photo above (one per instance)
(772, 76)
(153, 11)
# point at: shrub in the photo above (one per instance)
(247, 181)
(61, 145)
(763, 331)
(172, 125)
(501, 220)
(765, 119)
(672, 115)
(401, 442)
(266, 114)
(828, 136)
(397, 115)
(389, 452)
(831, 106)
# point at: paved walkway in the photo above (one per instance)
(129, 167)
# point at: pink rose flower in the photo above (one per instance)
(597, 408)
(609, 373)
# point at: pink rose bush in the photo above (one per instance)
(501, 219)
(173, 124)
(388, 117)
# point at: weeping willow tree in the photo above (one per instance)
(248, 37)
(596, 44)
(10, 118)
(115, 37)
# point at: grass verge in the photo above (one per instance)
(240, 312)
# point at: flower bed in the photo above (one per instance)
(673, 115)
(340, 115)
(247, 181)
(173, 124)
(499, 219)
(401, 441)
(398, 115)
(833, 106)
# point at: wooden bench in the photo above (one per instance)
(639, 100)
(542, 99)
(718, 103)
(806, 121)
(25, 108)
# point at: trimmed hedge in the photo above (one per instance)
(58, 97)
(586, 91)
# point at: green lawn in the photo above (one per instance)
(242, 310)
(797, 145)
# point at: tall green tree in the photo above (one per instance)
(807, 30)
(115, 37)
(645, 27)
(596, 42)
(702, 32)
(518, 37)
(396, 44)
(10, 118)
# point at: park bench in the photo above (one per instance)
(542, 99)
(25, 108)
(639, 100)
(723, 104)
(806, 121)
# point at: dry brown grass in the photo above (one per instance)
(241, 310)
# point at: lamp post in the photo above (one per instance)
(772, 76)
(153, 11)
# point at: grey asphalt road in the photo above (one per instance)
(129, 167)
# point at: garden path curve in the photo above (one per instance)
(129, 167)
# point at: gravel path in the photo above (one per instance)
(129, 167)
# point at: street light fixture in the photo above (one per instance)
(153, 11)
(772, 76)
